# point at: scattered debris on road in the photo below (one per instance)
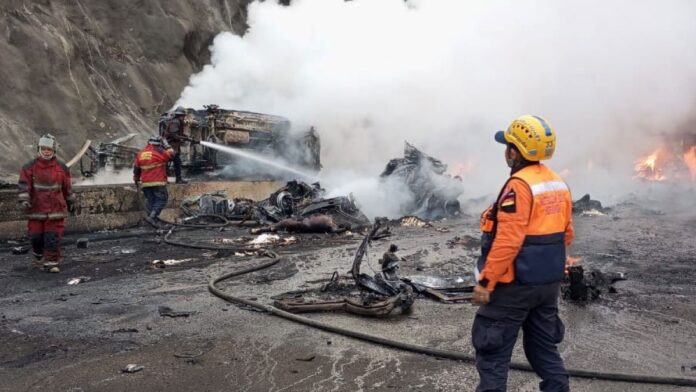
(132, 368)
(169, 262)
(414, 221)
(584, 286)
(166, 311)
(20, 250)
(78, 280)
(589, 207)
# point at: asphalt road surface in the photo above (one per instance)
(60, 337)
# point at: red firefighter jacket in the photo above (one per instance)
(46, 185)
(150, 166)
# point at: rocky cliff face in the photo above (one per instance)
(98, 69)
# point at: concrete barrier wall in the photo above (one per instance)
(106, 207)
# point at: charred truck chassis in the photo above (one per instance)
(264, 134)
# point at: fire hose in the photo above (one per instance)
(188, 222)
(448, 354)
(237, 248)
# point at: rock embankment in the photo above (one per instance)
(98, 69)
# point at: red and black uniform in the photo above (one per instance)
(150, 168)
(45, 184)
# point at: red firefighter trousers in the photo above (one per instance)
(45, 236)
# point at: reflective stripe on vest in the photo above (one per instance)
(542, 257)
(47, 216)
(550, 200)
(154, 165)
(151, 184)
(548, 186)
(48, 187)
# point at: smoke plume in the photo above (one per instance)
(611, 77)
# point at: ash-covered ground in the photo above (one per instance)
(79, 337)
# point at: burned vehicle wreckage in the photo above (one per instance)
(264, 134)
(296, 207)
(380, 295)
(433, 192)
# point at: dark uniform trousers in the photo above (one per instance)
(495, 329)
(45, 238)
(156, 197)
(176, 160)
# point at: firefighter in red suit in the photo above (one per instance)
(150, 174)
(45, 195)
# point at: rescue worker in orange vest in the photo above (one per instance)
(525, 236)
(45, 194)
(150, 174)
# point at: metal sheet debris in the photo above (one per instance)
(434, 192)
(169, 262)
(414, 221)
(132, 368)
(20, 250)
(443, 282)
(265, 239)
(166, 311)
(378, 308)
(588, 207)
(78, 280)
(592, 212)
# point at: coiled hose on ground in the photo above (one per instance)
(456, 355)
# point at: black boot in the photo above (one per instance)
(152, 221)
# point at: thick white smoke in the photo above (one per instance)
(445, 74)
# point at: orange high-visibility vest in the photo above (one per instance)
(541, 256)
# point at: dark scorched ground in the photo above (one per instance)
(78, 337)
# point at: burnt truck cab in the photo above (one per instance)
(263, 134)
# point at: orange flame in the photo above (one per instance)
(650, 167)
(690, 160)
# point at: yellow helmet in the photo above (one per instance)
(532, 135)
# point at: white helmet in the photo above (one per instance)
(48, 141)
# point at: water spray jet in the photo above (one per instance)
(261, 159)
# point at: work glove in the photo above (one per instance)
(137, 183)
(72, 206)
(25, 204)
